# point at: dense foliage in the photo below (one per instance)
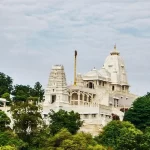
(11, 139)
(5, 84)
(4, 121)
(27, 118)
(64, 119)
(64, 140)
(120, 136)
(8, 148)
(38, 91)
(24, 92)
(8, 139)
(139, 113)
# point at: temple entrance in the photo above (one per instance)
(53, 99)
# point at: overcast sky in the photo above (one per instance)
(36, 34)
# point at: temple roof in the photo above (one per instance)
(114, 64)
(93, 74)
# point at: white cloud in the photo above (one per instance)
(45, 32)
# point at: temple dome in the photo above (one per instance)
(94, 74)
(116, 67)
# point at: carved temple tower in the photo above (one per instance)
(56, 94)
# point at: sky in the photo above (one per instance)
(36, 34)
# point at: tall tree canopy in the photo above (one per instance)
(27, 119)
(37, 91)
(64, 119)
(120, 136)
(23, 92)
(4, 121)
(139, 113)
(5, 84)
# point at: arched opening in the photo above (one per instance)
(85, 98)
(74, 96)
(91, 85)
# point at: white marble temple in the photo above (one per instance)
(98, 94)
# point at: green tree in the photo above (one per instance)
(24, 92)
(57, 139)
(77, 142)
(5, 84)
(7, 97)
(4, 121)
(21, 92)
(64, 140)
(38, 91)
(145, 143)
(40, 138)
(7, 148)
(27, 119)
(120, 136)
(10, 138)
(139, 113)
(64, 119)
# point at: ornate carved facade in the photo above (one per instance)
(95, 96)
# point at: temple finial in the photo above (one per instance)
(115, 46)
(115, 52)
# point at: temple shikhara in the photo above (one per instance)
(98, 96)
